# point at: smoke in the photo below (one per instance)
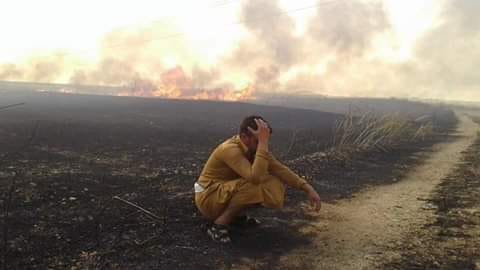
(129, 54)
(272, 29)
(447, 57)
(45, 68)
(10, 71)
(337, 54)
(279, 59)
(272, 47)
(348, 27)
(110, 71)
(135, 58)
(337, 37)
(266, 77)
(342, 39)
(442, 65)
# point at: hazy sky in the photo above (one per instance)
(31, 27)
(329, 47)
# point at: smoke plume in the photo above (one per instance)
(337, 54)
(447, 56)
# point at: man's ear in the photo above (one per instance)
(243, 136)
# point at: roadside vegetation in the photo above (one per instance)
(373, 132)
(370, 132)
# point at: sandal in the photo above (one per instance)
(219, 233)
(245, 221)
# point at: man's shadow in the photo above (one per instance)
(268, 241)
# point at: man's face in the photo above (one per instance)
(251, 142)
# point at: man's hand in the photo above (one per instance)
(313, 196)
(262, 132)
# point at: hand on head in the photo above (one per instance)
(262, 132)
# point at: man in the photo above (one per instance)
(241, 173)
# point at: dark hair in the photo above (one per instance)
(249, 121)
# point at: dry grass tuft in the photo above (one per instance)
(372, 132)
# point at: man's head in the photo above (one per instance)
(249, 139)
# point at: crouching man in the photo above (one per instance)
(241, 173)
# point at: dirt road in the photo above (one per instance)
(357, 233)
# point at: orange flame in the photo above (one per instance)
(174, 83)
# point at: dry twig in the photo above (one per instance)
(12, 105)
(145, 211)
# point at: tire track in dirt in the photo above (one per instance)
(356, 233)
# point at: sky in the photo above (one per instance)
(331, 47)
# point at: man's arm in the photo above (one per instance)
(292, 179)
(286, 175)
(234, 158)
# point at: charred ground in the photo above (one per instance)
(65, 157)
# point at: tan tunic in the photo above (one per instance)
(230, 178)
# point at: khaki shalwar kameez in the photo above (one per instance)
(229, 177)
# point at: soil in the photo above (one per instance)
(65, 158)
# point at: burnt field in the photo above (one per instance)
(64, 158)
